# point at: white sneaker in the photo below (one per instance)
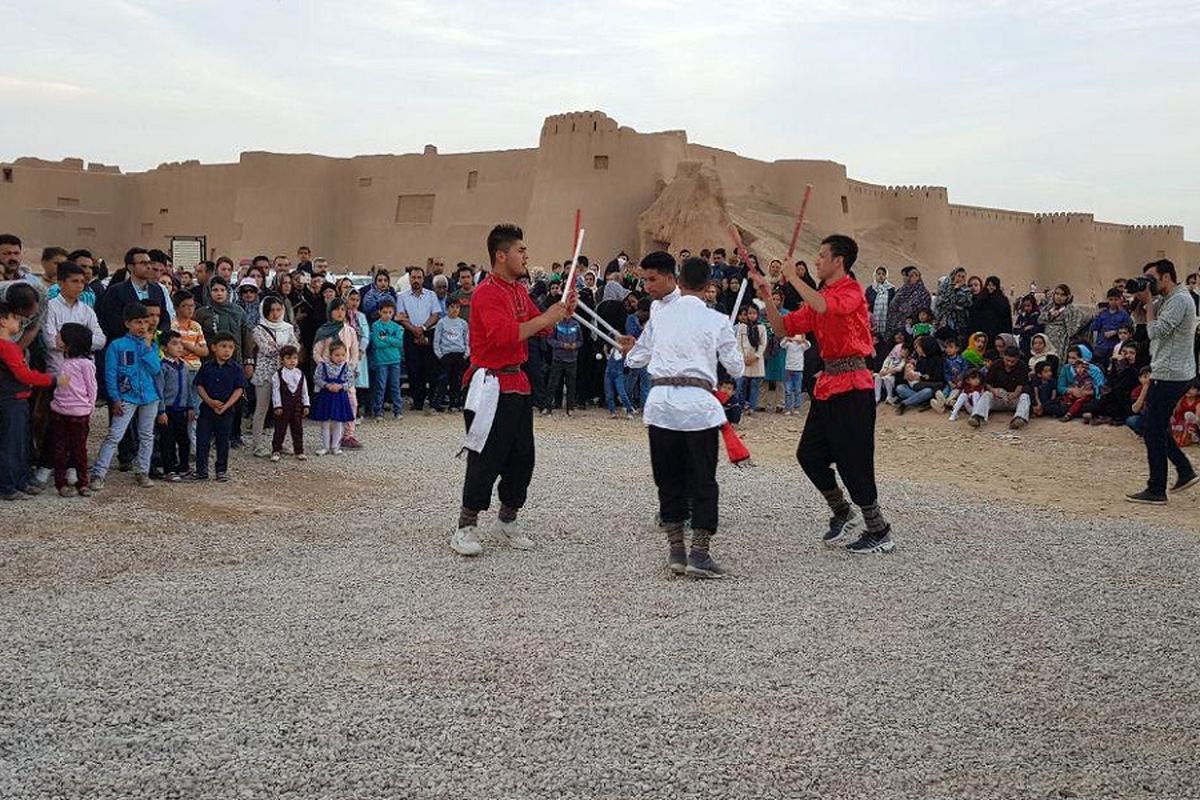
(464, 542)
(321, 451)
(510, 533)
(337, 451)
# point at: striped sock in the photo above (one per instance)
(874, 518)
(674, 531)
(700, 540)
(837, 501)
(467, 518)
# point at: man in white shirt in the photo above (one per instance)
(661, 286)
(421, 310)
(681, 346)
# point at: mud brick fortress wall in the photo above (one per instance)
(399, 209)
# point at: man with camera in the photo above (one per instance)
(1170, 325)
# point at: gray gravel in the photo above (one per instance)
(346, 653)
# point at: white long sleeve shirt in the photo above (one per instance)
(685, 339)
(294, 379)
(58, 313)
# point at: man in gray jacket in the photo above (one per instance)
(1170, 326)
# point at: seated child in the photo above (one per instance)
(1080, 393)
(892, 366)
(1044, 390)
(1114, 402)
(972, 388)
(1136, 421)
(924, 324)
(727, 394)
(1184, 427)
(954, 366)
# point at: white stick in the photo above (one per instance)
(599, 334)
(570, 284)
(597, 319)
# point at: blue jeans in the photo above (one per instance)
(614, 385)
(1160, 445)
(793, 389)
(14, 445)
(386, 379)
(1136, 423)
(146, 415)
(914, 399)
(638, 380)
(748, 389)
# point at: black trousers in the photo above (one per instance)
(1160, 445)
(507, 455)
(422, 368)
(450, 391)
(685, 471)
(174, 444)
(559, 370)
(841, 431)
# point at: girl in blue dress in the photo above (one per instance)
(333, 380)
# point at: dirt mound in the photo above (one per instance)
(693, 211)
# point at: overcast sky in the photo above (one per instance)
(1061, 105)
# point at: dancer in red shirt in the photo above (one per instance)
(840, 428)
(499, 406)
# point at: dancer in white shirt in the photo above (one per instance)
(681, 345)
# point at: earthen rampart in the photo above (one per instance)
(399, 209)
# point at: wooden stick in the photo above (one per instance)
(569, 286)
(799, 221)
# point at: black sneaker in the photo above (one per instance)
(124, 466)
(701, 565)
(841, 528)
(1147, 497)
(870, 543)
(222, 477)
(1185, 482)
(677, 561)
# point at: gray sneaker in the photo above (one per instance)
(96, 483)
(143, 480)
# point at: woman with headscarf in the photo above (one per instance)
(990, 310)
(976, 351)
(953, 304)
(1040, 350)
(1062, 319)
(283, 286)
(910, 298)
(272, 332)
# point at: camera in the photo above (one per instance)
(1141, 284)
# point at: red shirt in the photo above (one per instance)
(497, 310)
(843, 331)
(16, 377)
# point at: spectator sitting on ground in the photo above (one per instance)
(1080, 393)
(954, 366)
(1007, 378)
(1044, 391)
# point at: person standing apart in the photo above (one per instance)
(499, 406)
(680, 347)
(840, 427)
(1170, 325)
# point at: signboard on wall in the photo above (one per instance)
(188, 251)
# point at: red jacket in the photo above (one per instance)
(497, 310)
(844, 330)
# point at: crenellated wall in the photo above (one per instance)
(399, 209)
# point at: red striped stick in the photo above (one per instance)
(799, 221)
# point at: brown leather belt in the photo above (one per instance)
(512, 369)
(840, 366)
(700, 383)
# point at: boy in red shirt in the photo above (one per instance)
(16, 381)
(503, 317)
(840, 428)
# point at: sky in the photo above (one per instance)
(1060, 105)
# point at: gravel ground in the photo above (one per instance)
(244, 649)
